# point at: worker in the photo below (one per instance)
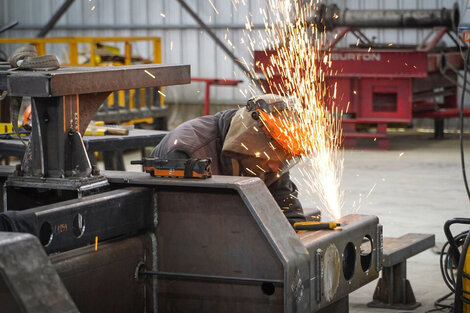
(249, 141)
(239, 144)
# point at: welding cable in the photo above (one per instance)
(446, 263)
(447, 270)
(462, 156)
(439, 306)
(449, 253)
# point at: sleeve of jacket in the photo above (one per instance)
(285, 193)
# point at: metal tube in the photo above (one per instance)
(214, 278)
(63, 8)
(332, 16)
(8, 26)
(219, 42)
(238, 26)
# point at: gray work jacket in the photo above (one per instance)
(204, 137)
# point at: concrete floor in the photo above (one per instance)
(417, 186)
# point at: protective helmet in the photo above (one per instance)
(280, 121)
(263, 131)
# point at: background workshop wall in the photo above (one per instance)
(182, 39)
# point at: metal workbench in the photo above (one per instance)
(63, 103)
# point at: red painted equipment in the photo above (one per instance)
(386, 83)
(213, 82)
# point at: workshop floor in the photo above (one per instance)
(416, 186)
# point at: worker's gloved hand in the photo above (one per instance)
(19, 221)
(294, 214)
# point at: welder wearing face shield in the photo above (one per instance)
(240, 144)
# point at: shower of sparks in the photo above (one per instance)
(161, 93)
(149, 74)
(93, 7)
(298, 70)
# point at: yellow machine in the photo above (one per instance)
(455, 267)
(466, 282)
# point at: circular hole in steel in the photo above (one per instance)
(366, 253)
(349, 260)
(139, 273)
(78, 225)
(268, 288)
(45, 234)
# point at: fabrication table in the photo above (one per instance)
(63, 103)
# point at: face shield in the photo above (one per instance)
(279, 121)
(264, 138)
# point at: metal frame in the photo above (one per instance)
(63, 103)
(75, 223)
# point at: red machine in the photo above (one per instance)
(381, 84)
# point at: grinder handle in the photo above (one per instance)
(315, 225)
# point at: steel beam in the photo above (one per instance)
(57, 15)
(63, 103)
(84, 80)
(75, 223)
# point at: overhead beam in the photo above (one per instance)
(56, 17)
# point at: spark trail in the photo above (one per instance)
(297, 68)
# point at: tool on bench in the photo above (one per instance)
(184, 168)
(316, 225)
(105, 130)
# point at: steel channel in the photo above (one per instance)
(86, 80)
(355, 228)
(107, 215)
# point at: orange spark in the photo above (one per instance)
(298, 69)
